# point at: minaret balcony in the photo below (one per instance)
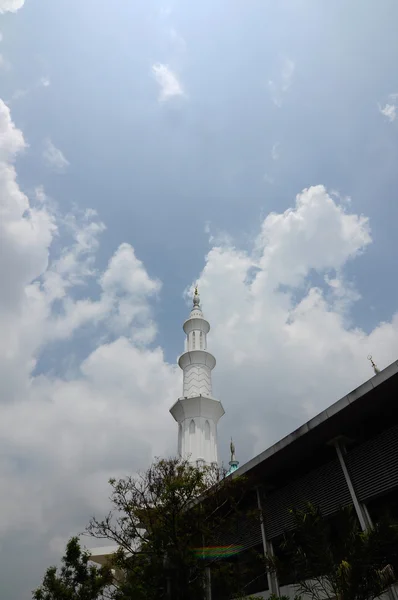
(196, 324)
(197, 406)
(197, 357)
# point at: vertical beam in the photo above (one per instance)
(273, 585)
(207, 583)
(361, 509)
(168, 588)
(362, 513)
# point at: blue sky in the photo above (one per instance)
(190, 129)
(204, 158)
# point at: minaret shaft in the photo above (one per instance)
(197, 412)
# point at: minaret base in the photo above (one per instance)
(197, 419)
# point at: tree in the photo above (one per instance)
(77, 579)
(166, 523)
(334, 558)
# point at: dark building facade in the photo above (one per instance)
(348, 454)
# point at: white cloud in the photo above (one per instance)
(268, 178)
(177, 41)
(54, 157)
(10, 5)
(294, 357)
(84, 392)
(287, 73)
(88, 421)
(170, 86)
(4, 63)
(165, 12)
(389, 111)
(390, 108)
(276, 151)
(279, 88)
(21, 93)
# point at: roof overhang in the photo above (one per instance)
(371, 406)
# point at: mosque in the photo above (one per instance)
(346, 455)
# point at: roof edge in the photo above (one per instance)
(333, 409)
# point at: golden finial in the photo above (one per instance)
(375, 367)
(196, 298)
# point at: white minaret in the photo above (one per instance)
(197, 412)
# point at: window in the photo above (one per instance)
(192, 426)
(207, 430)
(201, 340)
(193, 340)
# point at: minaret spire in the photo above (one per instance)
(197, 412)
(233, 463)
(375, 367)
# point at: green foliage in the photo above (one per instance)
(161, 521)
(77, 580)
(335, 558)
(169, 524)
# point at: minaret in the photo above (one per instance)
(197, 412)
(233, 463)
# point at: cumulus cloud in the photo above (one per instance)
(279, 87)
(285, 349)
(389, 110)
(54, 157)
(170, 86)
(10, 5)
(291, 342)
(26, 231)
(63, 435)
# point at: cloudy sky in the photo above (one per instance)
(247, 145)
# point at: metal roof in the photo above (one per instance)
(370, 407)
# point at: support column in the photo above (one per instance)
(360, 509)
(208, 583)
(273, 585)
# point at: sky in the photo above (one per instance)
(249, 146)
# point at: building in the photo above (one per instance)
(348, 454)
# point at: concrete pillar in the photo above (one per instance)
(208, 583)
(360, 509)
(273, 584)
